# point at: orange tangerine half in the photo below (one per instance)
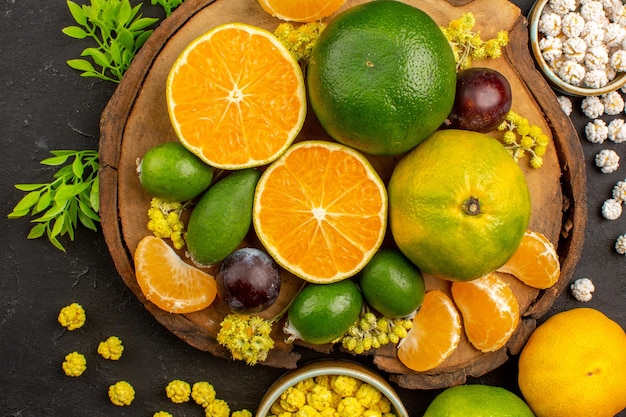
(301, 10)
(168, 281)
(435, 334)
(489, 309)
(535, 262)
(236, 97)
(321, 211)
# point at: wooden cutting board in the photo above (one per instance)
(136, 119)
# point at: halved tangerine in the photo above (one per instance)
(321, 211)
(435, 334)
(168, 281)
(489, 309)
(301, 10)
(535, 262)
(236, 97)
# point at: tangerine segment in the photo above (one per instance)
(321, 211)
(236, 97)
(490, 311)
(301, 10)
(168, 281)
(535, 261)
(435, 334)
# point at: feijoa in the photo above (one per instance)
(222, 217)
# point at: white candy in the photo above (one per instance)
(572, 25)
(607, 160)
(597, 57)
(572, 73)
(595, 79)
(551, 48)
(618, 60)
(574, 49)
(566, 104)
(592, 107)
(611, 209)
(596, 131)
(620, 245)
(617, 130)
(613, 103)
(619, 191)
(549, 24)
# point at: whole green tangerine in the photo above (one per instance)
(321, 313)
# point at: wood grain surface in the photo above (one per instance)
(136, 119)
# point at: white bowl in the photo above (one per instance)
(556, 82)
(330, 367)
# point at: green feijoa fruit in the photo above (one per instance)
(392, 284)
(321, 313)
(222, 217)
(171, 172)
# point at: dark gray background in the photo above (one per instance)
(45, 105)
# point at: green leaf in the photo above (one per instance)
(75, 32)
(98, 56)
(94, 195)
(123, 13)
(28, 187)
(88, 211)
(77, 12)
(78, 168)
(87, 221)
(17, 214)
(28, 201)
(141, 39)
(37, 231)
(115, 51)
(56, 242)
(58, 226)
(55, 160)
(44, 202)
(52, 213)
(125, 37)
(81, 65)
(142, 23)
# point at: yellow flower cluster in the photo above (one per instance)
(111, 348)
(299, 41)
(203, 394)
(72, 316)
(247, 337)
(371, 332)
(164, 221)
(332, 396)
(468, 45)
(178, 391)
(162, 414)
(121, 393)
(74, 364)
(521, 137)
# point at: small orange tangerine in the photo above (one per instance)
(301, 10)
(435, 334)
(168, 281)
(489, 309)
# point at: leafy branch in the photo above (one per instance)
(119, 31)
(72, 197)
(168, 5)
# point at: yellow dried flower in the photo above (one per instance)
(75, 364)
(111, 348)
(121, 393)
(178, 391)
(72, 316)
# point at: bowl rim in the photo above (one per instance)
(533, 17)
(329, 366)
